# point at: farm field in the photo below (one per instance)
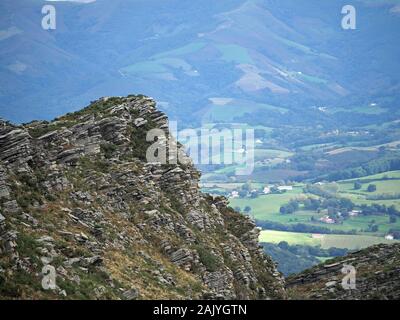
(266, 207)
(326, 241)
(361, 109)
(388, 174)
(270, 169)
(386, 183)
(382, 186)
(235, 108)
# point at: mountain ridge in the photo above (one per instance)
(376, 277)
(185, 54)
(78, 196)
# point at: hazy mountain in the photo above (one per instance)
(263, 57)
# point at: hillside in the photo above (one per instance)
(78, 197)
(258, 61)
(377, 277)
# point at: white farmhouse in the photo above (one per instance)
(285, 188)
(267, 190)
(389, 237)
(234, 194)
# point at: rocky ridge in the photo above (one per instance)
(77, 195)
(376, 277)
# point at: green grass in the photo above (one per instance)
(267, 207)
(316, 146)
(230, 186)
(388, 174)
(352, 242)
(272, 236)
(360, 200)
(187, 49)
(260, 154)
(362, 110)
(234, 53)
(382, 186)
(163, 62)
(359, 197)
(145, 67)
(237, 108)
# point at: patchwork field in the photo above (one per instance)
(235, 108)
(387, 183)
(352, 242)
(266, 207)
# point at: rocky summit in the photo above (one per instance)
(375, 272)
(83, 215)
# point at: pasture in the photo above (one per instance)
(326, 241)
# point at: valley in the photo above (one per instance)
(336, 189)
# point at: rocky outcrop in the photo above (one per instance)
(14, 145)
(369, 274)
(77, 195)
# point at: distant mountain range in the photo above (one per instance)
(206, 61)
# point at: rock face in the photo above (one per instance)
(77, 196)
(376, 276)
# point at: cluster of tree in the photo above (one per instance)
(357, 185)
(379, 209)
(290, 207)
(372, 167)
(372, 227)
(293, 259)
(344, 206)
(334, 206)
(395, 233)
(384, 196)
(246, 209)
(316, 251)
(370, 188)
(304, 161)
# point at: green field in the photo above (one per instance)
(388, 174)
(187, 49)
(326, 241)
(269, 210)
(260, 154)
(383, 186)
(234, 53)
(236, 108)
(386, 183)
(362, 109)
(266, 207)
